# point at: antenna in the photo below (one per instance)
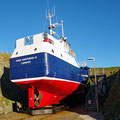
(51, 26)
(46, 13)
(62, 29)
(54, 10)
(50, 16)
(48, 5)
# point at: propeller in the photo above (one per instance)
(36, 103)
(37, 98)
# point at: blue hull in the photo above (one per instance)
(45, 65)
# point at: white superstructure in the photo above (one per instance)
(37, 44)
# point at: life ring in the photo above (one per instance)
(71, 51)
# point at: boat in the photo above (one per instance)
(46, 67)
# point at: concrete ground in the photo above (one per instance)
(77, 113)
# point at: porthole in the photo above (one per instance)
(52, 51)
(35, 49)
(16, 53)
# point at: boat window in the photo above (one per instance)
(61, 55)
(35, 49)
(52, 50)
(16, 53)
(29, 40)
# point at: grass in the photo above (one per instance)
(4, 62)
(4, 57)
(108, 71)
(3, 101)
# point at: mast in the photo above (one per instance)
(51, 25)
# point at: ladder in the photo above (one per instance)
(91, 99)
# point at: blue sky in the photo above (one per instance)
(91, 26)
